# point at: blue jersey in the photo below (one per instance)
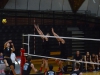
(50, 73)
(27, 68)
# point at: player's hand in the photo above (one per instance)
(52, 29)
(38, 25)
(35, 25)
(12, 44)
(34, 21)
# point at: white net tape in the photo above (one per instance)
(63, 38)
(90, 39)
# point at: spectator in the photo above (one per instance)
(98, 60)
(1, 58)
(1, 55)
(94, 59)
(87, 58)
(78, 57)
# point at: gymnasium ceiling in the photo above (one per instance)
(82, 6)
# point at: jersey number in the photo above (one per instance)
(74, 74)
(50, 73)
(25, 67)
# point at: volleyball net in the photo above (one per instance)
(54, 37)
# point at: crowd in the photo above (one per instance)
(95, 58)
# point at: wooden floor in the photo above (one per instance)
(37, 64)
(92, 73)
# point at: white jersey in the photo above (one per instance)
(13, 57)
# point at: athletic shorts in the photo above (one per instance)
(8, 61)
(13, 65)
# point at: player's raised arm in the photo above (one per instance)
(6, 43)
(33, 68)
(58, 39)
(13, 48)
(40, 32)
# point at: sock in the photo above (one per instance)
(45, 70)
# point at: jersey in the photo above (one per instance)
(50, 73)
(7, 52)
(75, 73)
(27, 68)
(93, 58)
(63, 51)
(13, 57)
(98, 57)
(46, 48)
(77, 57)
(87, 57)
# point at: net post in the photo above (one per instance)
(23, 59)
(28, 44)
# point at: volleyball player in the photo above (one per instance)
(62, 46)
(76, 70)
(98, 60)
(50, 72)
(7, 53)
(45, 48)
(28, 66)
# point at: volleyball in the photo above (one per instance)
(4, 21)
